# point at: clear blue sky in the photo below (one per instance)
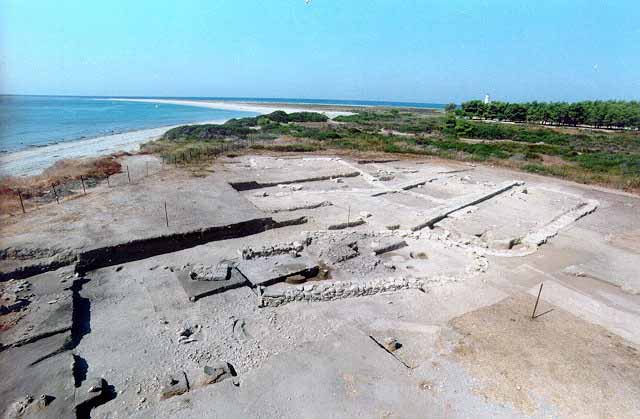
(422, 50)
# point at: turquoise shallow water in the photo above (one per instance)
(32, 121)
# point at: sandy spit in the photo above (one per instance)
(237, 106)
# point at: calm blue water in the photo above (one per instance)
(32, 121)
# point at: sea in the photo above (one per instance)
(37, 121)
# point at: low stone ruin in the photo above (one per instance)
(292, 248)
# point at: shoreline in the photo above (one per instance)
(34, 160)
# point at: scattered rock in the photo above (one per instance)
(216, 373)
(175, 384)
(392, 344)
(425, 385)
(418, 255)
(92, 393)
(574, 270)
(96, 385)
(45, 400)
(185, 335)
(20, 407)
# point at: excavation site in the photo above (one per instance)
(315, 285)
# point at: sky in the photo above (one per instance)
(405, 50)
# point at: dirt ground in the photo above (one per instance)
(326, 286)
(580, 368)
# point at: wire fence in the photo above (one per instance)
(60, 192)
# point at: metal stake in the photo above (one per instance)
(21, 203)
(166, 216)
(533, 315)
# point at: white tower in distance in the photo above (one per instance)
(487, 99)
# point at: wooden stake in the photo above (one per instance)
(166, 216)
(55, 192)
(108, 183)
(128, 175)
(84, 190)
(21, 203)
(533, 315)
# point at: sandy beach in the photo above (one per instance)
(33, 161)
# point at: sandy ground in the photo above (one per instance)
(468, 346)
(261, 108)
(33, 160)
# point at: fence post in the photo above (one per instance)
(55, 193)
(21, 203)
(533, 315)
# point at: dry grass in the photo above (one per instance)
(60, 173)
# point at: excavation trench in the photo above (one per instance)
(249, 185)
(100, 257)
(27, 271)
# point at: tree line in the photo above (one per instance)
(599, 114)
